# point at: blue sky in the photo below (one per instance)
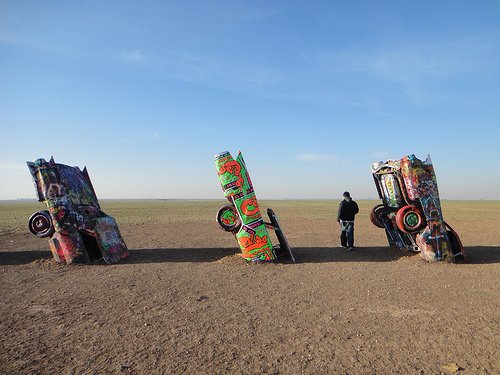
(144, 93)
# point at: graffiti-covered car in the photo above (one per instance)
(242, 216)
(411, 211)
(78, 231)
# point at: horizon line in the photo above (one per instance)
(268, 199)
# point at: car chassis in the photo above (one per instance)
(242, 216)
(79, 231)
(411, 210)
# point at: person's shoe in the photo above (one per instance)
(349, 248)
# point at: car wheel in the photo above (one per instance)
(228, 218)
(376, 215)
(40, 224)
(409, 219)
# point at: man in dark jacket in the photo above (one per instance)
(345, 217)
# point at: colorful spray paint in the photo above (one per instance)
(243, 216)
(411, 210)
(79, 231)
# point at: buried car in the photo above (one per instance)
(78, 231)
(411, 210)
(242, 216)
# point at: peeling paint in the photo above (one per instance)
(79, 231)
(411, 210)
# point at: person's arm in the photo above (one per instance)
(356, 208)
(339, 212)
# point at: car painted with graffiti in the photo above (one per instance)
(411, 211)
(242, 216)
(78, 230)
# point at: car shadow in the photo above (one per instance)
(10, 258)
(340, 254)
(482, 254)
(474, 255)
(178, 255)
(301, 254)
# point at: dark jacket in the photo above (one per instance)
(347, 210)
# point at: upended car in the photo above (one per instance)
(411, 211)
(78, 230)
(242, 217)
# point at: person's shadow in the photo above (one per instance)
(474, 255)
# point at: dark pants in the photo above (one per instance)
(347, 233)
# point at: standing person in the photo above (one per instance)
(345, 217)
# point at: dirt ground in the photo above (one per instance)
(185, 302)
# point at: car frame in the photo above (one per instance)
(242, 216)
(411, 211)
(78, 230)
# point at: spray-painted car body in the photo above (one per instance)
(411, 210)
(79, 231)
(243, 217)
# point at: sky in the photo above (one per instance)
(145, 93)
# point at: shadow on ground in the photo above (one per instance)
(22, 257)
(482, 254)
(302, 255)
(475, 255)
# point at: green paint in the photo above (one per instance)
(253, 236)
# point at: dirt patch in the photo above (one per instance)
(185, 301)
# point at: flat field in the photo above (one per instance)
(186, 302)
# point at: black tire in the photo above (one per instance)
(40, 224)
(228, 213)
(376, 215)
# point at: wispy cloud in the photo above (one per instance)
(416, 68)
(214, 45)
(12, 166)
(33, 42)
(142, 137)
(9, 38)
(154, 135)
(316, 157)
(228, 72)
(414, 62)
(133, 56)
